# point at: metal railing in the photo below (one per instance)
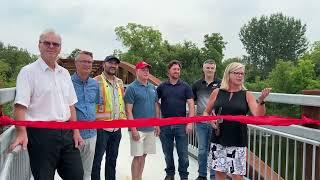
(14, 165)
(280, 152)
(292, 148)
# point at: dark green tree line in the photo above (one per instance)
(268, 39)
(146, 43)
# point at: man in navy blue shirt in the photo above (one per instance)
(88, 95)
(174, 94)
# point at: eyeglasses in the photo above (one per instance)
(238, 73)
(49, 44)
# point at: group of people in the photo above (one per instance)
(45, 91)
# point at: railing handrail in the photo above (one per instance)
(7, 95)
(281, 131)
(296, 99)
(5, 138)
(299, 131)
(5, 171)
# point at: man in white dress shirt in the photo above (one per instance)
(44, 92)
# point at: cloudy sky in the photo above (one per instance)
(89, 24)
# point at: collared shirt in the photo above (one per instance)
(143, 98)
(174, 98)
(88, 95)
(202, 91)
(46, 93)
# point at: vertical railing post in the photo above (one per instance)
(314, 113)
(1, 114)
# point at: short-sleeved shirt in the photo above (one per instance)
(174, 98)
(88, 95)
(202, 91)
(143, 99)
(46, 93)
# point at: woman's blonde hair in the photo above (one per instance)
(226, 75)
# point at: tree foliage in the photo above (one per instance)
(12, 59)
(314, 55)
(144, 42)
(271, 38)
(74, 53)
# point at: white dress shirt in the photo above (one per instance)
(46, 93)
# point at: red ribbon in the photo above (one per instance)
(256, 120)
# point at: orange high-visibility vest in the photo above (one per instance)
(104, 111)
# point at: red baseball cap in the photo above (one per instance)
(142, 64)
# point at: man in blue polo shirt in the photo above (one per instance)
(174, 94)
(141, 102)
(88, 95)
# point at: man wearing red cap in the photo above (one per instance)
(141, 102)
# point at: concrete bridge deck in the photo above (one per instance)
(154, 167)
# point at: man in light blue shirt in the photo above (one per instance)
(88, 95)
(141, 102)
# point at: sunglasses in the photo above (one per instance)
(49, 44)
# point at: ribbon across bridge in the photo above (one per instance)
(255, 120)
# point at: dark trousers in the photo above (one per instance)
(167, 136)
(53, 149)
(107, 142)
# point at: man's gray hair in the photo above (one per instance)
(83, 52)
(48, 31)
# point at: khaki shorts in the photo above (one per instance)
(145, 145)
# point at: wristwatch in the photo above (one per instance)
(260, 102)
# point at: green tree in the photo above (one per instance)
(268, 39)
(280, 77)
(12, 59)
(144, 42)
(314, 55)
(213, 49)
(74, 53)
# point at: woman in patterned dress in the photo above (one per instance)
(230, 139)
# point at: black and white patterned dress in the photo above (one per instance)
(228, 149)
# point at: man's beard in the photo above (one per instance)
(110, 73)
(175, 76)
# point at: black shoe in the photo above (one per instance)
(201, 178)
(169, 178)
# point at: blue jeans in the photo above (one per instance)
(203, 131)
(167, 136)
(107, 142)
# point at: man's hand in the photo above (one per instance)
(78, 141)
(189, 128)
(21, 139)
(157, 131)
(135, 134)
